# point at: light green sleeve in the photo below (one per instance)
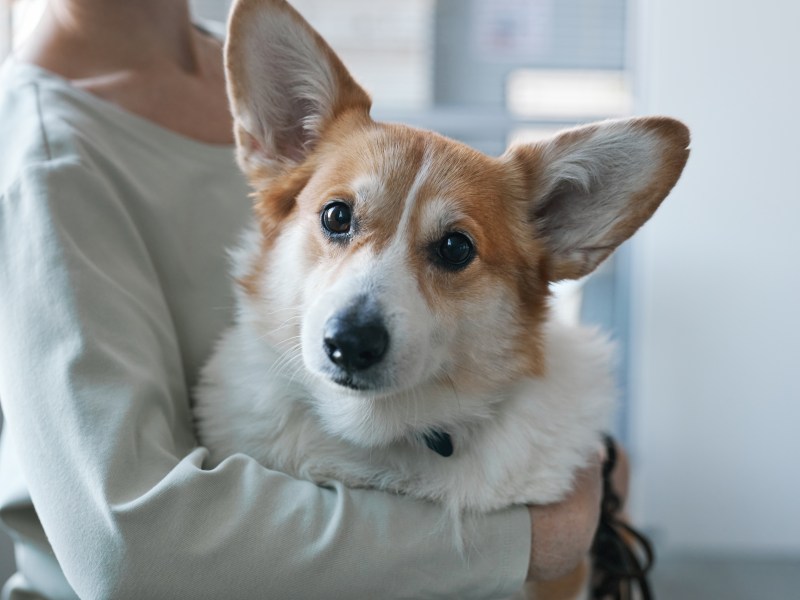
(96, 406)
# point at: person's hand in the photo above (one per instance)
(562, 533)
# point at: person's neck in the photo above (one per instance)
(112, 35)
(142, 55)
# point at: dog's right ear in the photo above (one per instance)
(285, 86)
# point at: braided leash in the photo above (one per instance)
(621, 556)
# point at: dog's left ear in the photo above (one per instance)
(285, 85)
(590, 188)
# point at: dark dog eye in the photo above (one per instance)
(337, 218)
(455, 250)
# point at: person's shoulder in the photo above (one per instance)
(22, 138)
(39, 122)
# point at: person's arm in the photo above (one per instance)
(96, 406)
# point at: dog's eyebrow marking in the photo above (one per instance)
(439, 215)
(367, 186)
(365, 183)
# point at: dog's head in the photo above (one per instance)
(395, 261)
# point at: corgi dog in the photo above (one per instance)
(393, 328)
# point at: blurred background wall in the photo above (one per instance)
(716, 282)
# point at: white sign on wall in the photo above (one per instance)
(512, 30)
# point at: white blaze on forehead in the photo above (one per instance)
(385, 273)
(371, 187)
(412, 198)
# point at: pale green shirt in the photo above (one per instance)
(113, 290)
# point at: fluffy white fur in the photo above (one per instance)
(518, 444)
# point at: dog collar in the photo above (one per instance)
(440, 442)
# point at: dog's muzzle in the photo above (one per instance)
(356, 338)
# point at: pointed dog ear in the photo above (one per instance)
(285, 85)
(590, 188)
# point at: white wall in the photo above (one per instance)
(716, 347)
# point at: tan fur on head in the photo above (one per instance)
(588, 189)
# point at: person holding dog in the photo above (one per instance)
(118, 198)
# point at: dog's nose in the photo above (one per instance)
(355, 343)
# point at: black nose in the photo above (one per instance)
(355, 339)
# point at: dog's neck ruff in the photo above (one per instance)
(440, 442)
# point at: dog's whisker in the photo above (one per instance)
(282, 325)
(280, 310)
(293, 356)
(300, 371)
(287, 359)
(288, 356)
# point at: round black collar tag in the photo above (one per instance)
(440, 442)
